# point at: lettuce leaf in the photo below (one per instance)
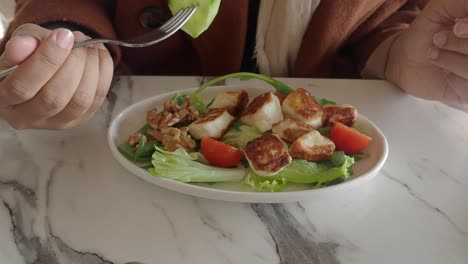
(264, 184)
(140, 156)
(305, 172)
(201, 19)
(240, 134)
(183, 167)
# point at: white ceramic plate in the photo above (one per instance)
(133, 118)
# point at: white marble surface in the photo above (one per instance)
(63, 199)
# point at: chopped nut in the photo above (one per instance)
(134, 139)
(156, 134)
(172, 114)
(173, 138)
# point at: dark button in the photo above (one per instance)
(152, 17)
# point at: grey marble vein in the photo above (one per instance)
(52, 174)
(424, 167)
(172, 226)
(33, 249)
(307, 220)
(28, 193)
(111, 101)
(446, 174)
(294, 244)
(76, 256)
(51, 251)
(111, 98)
(444, 215)
(211, 223)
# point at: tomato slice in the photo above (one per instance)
(220, 154)
(348, 139)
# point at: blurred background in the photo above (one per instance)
(6, 12)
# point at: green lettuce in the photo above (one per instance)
(183, 167)
(201, 19)
(305, 172)
(240, 134)
(141, 155)
(264, 184)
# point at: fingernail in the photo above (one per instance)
(11, 41)
(440, 39)
(433, 53)
(461, 28)
(79, 37)
(12, 38)
(64, 38)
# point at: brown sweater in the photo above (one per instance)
(341, 36)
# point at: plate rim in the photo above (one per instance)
(231, 195)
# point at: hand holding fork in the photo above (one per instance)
(52, 83)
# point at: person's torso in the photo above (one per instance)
(228, 45)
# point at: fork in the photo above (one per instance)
(145, 40)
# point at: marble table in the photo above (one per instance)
(63, 199)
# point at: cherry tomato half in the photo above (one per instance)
(220, 154)
(348, 139)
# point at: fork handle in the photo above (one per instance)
(6, 72)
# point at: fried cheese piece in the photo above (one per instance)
(214, 124)
(263, 112)
(300, 105)
(312, 146)
(267, 155)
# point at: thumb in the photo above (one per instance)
(17, 50)
(461, 28)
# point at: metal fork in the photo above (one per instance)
(148, 39)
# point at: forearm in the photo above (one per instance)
(380, 64)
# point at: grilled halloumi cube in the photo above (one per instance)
(300, 105)
(281, 96)
(267, 155)
(263, 112)
(345, 114)
(234, 102)
(214, 124)
(312, 146)
(289, 130)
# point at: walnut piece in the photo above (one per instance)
(172, 114)
(134, 139)
(173, 138)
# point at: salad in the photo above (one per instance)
(266, 142)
